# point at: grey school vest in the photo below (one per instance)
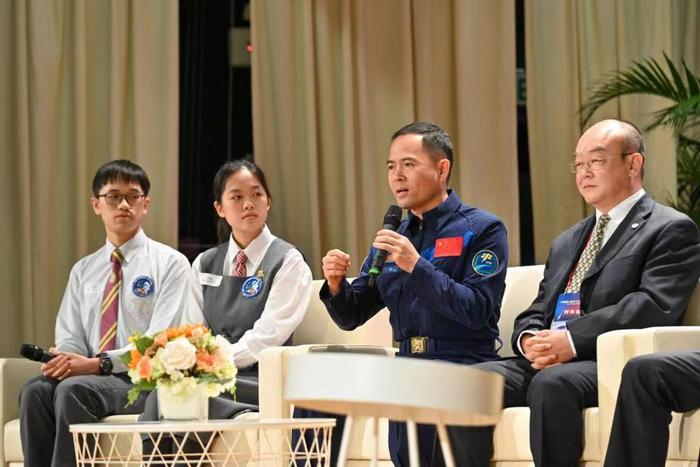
(233, 307)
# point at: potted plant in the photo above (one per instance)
(186, 365)
(682, 88)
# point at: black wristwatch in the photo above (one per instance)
(106, 364)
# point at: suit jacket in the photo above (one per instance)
(643, 276)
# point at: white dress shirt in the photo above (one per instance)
(78, 321)
(285, 306)
(617, 215)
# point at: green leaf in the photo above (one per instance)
(132, 395)
(142, 343)
(126, 358)
(693, 81)
(681, 92)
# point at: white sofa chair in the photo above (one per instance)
(511, 437)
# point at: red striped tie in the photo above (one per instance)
(110, 304)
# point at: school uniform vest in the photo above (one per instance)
(236, 304)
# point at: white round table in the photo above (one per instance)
(401, 389)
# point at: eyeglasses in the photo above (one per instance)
(115, 199)
(595, 164)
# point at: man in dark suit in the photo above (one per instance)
(652, 386)
(633, 264)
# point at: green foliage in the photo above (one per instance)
(682, 87)
(142, 343)
(688, 177)
(134, 392)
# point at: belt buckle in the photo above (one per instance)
(419, 344)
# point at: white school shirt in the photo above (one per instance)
(153, 294)
(285, 306)
(617, 215)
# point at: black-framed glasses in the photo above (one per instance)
(115, 199)
(594, 165)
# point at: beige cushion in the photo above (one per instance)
(511, 438)
(129, 418)
(13, 445)
(684, 440)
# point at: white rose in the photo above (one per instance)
(178, 354)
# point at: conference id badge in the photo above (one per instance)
(568, 308)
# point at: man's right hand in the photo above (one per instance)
(335, 267)
(533, 350)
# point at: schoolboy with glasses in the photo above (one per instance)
(131, 284)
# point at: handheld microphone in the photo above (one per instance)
(36, 353)
(392, 219)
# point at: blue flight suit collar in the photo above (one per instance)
(436, 218)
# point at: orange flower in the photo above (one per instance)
(205, 361)
(144, 368)
(161, 339)
(199, 330)
(135, 356)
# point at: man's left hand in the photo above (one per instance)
(400, 249)
(560, 349)
(67, 364)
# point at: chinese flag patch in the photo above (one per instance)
(451, 246)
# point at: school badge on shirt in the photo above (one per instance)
(253, 285)
(143, 286)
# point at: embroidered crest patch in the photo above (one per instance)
(485, 263)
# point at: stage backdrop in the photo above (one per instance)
(82, 82)
(570, 45)
(332, 80)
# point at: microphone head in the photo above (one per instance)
(393, 216)
(31, 352)
(34, 352)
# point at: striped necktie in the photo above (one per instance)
(110, 304)
(588, 255)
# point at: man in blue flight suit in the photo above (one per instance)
(444, 277)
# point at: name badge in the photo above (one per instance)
(568, 308)
(212, 280)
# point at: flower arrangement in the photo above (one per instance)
(177, 360)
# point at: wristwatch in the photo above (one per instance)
(106, 364)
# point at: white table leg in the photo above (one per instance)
(445, 445)
(375, 439)
(413, 457)
(345, 441)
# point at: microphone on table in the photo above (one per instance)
(36, 353)
(392, 219)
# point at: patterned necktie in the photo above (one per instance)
(588, 255)
(239, 269)
(110, 304)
